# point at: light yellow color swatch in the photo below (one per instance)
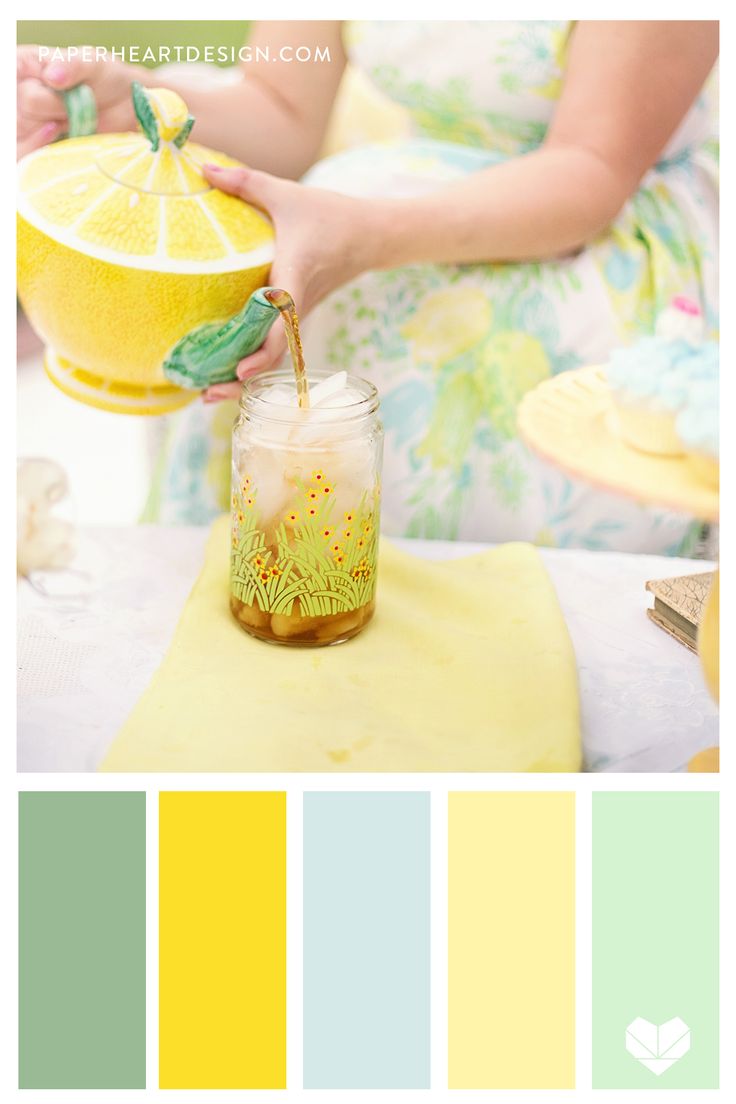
(222, 940)
(467, 666)
(511, 941)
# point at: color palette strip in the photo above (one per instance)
(222, 940)
(655, 940)
(511, 940)
(366, 941)
(82, 904)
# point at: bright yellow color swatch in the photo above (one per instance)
(222, 940)
(511, 970)
(467, 666)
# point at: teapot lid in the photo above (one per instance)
(140, 199)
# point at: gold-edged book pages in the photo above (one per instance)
(679, 603)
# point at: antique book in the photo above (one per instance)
(679, 604)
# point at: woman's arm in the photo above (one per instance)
(274, 118)
(628, 86)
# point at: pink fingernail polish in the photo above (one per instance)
(212, 168)
(55, 72)
(49, 129)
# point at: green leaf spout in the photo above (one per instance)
(210, 353)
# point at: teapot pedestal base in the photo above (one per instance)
(119, 398)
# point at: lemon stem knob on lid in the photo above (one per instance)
(162, 115)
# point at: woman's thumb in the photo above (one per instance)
(61, 74)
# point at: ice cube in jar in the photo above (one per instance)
(305, 502)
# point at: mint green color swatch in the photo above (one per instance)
(82, 930)
(655, 941)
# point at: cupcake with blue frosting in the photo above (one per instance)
(698, 429)
(652, 380)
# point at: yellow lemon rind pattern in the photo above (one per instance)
(115, 321)
(112, 199)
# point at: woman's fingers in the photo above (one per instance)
(255, 187)
(41, 111)
(266, 192)
(41, 115)
(41, 136)
(222, 391)
(27, 62)
(37, 101)
(264, 359)
(256, 362)
(268, 357)
(63, 74)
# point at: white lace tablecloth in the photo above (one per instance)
(88, 649)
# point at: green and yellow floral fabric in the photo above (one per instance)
(453, 349)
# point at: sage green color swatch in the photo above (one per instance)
(655, 940)
(82, 930)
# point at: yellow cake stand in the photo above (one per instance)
(570, 420)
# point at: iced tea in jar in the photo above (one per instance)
(305, 508)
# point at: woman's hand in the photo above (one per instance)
(41, 112)
(627, 86)
(323, 240)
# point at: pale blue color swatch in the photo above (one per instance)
(366, 941)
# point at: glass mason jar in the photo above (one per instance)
(306, 490)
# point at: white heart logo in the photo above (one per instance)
(658, 1047)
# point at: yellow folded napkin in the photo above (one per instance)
(467, 666)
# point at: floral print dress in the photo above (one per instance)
(453, 349)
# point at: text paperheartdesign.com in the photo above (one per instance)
(160, 55)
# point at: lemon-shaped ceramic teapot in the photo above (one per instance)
(133, 269)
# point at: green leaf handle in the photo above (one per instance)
(81, 110)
